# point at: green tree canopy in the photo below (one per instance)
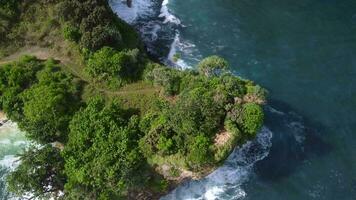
(14, 79)
(114, 67)
(212, 66)
(102, 152)
(105, 63)
(40, 173)
(49, 106)
(252, 118)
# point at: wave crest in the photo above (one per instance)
(226, 182)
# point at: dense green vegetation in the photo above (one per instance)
(102, 153)
(47, 23)
(196, 107)
(107, 130)
(115, 68)
(40, 168)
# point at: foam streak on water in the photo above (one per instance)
(226, 182)
(140, 8)
(151, 19)
(165, 13)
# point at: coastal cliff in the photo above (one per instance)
(128, 127)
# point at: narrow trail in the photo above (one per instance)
(142, 91)
(45, 53)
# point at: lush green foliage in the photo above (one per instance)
(48, 106)
(101, 148)
(70, 33)
(252, 118)
(196, 107)
(89, 23)
(102, 152)
(104, 144)
(98, 26)
(212, 66)
(41, 101)
(8, 17)
(14, 79)
(114, 67)
(40, 173)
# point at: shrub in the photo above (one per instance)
(212, 66)
(257, 93)
(40, 172)
(167, 78)
(199, 151)
(102, 152)
(252, 118)
(105, 63)
(165, 145)
(71, 33)
(114, 67)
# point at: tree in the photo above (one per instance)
(199, 151)
(49, 106)
(15, 78)
(40, 173)
(196, 112)
(252, 118)
(102, 152)
(97, 24)
(71, 33)
(110, 65)
(167, 78)
(105, 63)
(212, 66)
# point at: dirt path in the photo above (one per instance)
(45, 53)
(149, 90)
(41, 53)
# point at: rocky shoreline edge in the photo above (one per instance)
(3, 119)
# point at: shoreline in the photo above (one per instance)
(3, 118)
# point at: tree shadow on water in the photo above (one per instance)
(295, 140)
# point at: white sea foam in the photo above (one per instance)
(176, 44)
(179, 48)
(139, 8)
(5, 142)
(226, 182)
(298, 131)
(142, 9)
(166, 14)
(273, 110)
(150, 30)
(9, 161)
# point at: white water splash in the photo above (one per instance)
(12, 141)
(144, 9)
(9, 161)
(226, 182)
(166, 14)
(176, 44)
(273, 110)
(139, 8)
(149, 31)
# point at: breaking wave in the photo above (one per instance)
(226, 182)
(158, 28)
